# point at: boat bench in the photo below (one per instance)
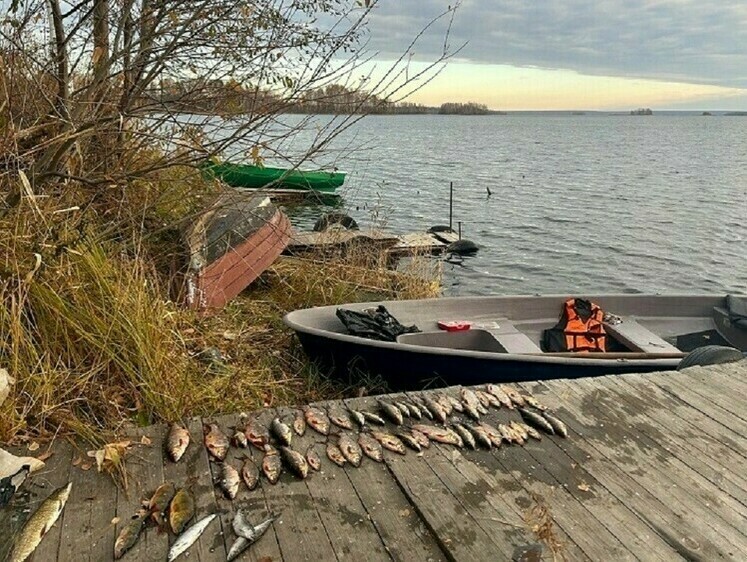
(638, 338)
(512, 340)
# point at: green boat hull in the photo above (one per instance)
(254, 177)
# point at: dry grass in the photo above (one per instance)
(93, 341)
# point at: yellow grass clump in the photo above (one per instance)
(89, 333)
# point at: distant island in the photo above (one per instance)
(736, 114)
(641, 111)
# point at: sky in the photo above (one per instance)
(572, 54)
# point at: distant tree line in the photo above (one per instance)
(230, 97)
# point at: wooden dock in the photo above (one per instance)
(339, 240)
(655, 468)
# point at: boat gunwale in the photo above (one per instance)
(289, 321)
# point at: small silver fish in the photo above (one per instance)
(239, 440)
(506, 434)
(492, 400)
(358, 417)
(229, 481)
(495, 435)
(177, 441)
(426, 413)
(250, 474)
(371, 447)
(313, 460)
(338, 417)
(189, 537)
(129, 534)
(389, 441)
(558, 426)
(335, 455)
(257, 434)
(409, 440)
(281, 431)
(440, 434)
(481, 436)
(299, 423)
(537, 420)
(404, 408)
(295, 461)
(482, 397)
(216, 442)
(414, 411)
(421, 438)
(515, 397)
(271, 464)
(373, 418)
(520, 431)
(531, 432)
(437, 411)
(502, 397)
(350, 449)
(317, 420)
(533, 402)
(391, 411)
(445, 404)
(455, 404)
(246, 533)
(466, 435)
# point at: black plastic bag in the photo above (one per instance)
(376, 324)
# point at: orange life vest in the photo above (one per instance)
(583, 335)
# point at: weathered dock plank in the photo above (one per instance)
(351, 532)
(684, 437)
(252, 501)
(38, 488)
(88, 530)
(145, 474)
(614, 457)
(654, 469)
(193, 472)
(396, 520)
(300, 530)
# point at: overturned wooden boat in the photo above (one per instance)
(504, 339)
(230, 245)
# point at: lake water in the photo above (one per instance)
(585, 203)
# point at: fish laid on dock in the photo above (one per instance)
(467, 437)
(189, 537)
(338, 417)
(371, 447)
(129, 534)
(536, 420)
(229, 481)
(181, 510)
(246, 533)
(295, 461)
(391, 411)
(257, 434)
(250, 474)
(299, 423)
(216, 442)
(281, 431)
(39, 523)
(177, 441)
(390, 442)
(335, 454)
(313, 460)
(558, 426)
(271, 464)
(317, 420)
(440, 434)
(159, 502)
(350, 449)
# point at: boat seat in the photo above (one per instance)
(638, 338)
(512, 340)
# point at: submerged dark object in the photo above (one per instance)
(329, 219)
(503, 343)
(462, 248)
(375, 324)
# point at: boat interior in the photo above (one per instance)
(652, 325)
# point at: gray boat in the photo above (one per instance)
(504, 341)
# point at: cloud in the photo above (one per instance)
(677, 40)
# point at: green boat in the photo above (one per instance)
(255, 177)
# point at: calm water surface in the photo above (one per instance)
(592, 203)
